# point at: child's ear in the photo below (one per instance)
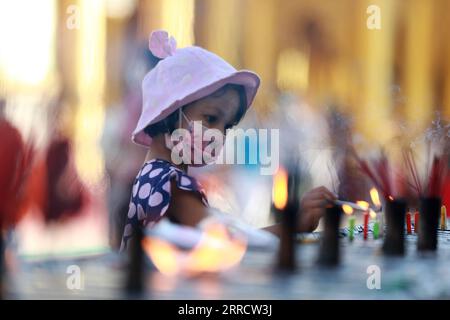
(168, 141)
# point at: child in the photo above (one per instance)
(187, 85)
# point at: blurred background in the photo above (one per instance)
(74, 68)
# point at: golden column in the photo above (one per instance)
(445, 8)
(260, 44)
(418, 79)
(219, 28)
(90, 82)
(174, 16)
(375, 59)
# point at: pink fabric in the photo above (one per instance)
(183, 76)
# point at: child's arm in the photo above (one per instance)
(186, 207)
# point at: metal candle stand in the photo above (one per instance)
(329, 248)
(289, 222)
(135, 277)
(394, 240)
(430, 209)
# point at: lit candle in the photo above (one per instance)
(408, 222)
(366, 224)
(443, 218)
(376, 224)
(351, 223)
(348, 210)
(365, 206)
(416, 222)
(376, 201)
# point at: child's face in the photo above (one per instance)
(215, 112)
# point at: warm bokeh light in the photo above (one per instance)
(375, 197)
(215, 252)
(162, 254)
(348, 210)
(27, 42)
(280, 188)
(363, 204)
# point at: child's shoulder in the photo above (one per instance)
(157, 174)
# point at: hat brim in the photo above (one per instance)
(248, 79)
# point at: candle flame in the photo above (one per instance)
(363, 204)
(280, 188)
(391, 198)
(375, 197)
(373, 214)
(347, 209)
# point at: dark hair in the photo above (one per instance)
(168, 124)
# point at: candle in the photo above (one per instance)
(376, 224)
(366, 224)
(408, 222)
(376, 229)
(365, 206)
(376, 201)
(443, 218)
(351, 227)
(348, 210)
(416, 222)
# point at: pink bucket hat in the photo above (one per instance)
(183, 76)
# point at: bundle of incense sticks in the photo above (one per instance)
(434, 181)
(379, 172)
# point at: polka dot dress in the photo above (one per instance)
(151, 194)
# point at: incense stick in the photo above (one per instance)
(350, 204)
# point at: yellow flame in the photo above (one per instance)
(373, 214)
(363, 204)
(280, 188)
(375, 197)
(391, 198)
(347, 209)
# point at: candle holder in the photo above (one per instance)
(329, 247)
(428, 223)
(286, 255)
(135, 277)
(289, 221)
(395, 227)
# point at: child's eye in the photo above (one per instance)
(211, 119)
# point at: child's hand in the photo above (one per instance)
(312, 207)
